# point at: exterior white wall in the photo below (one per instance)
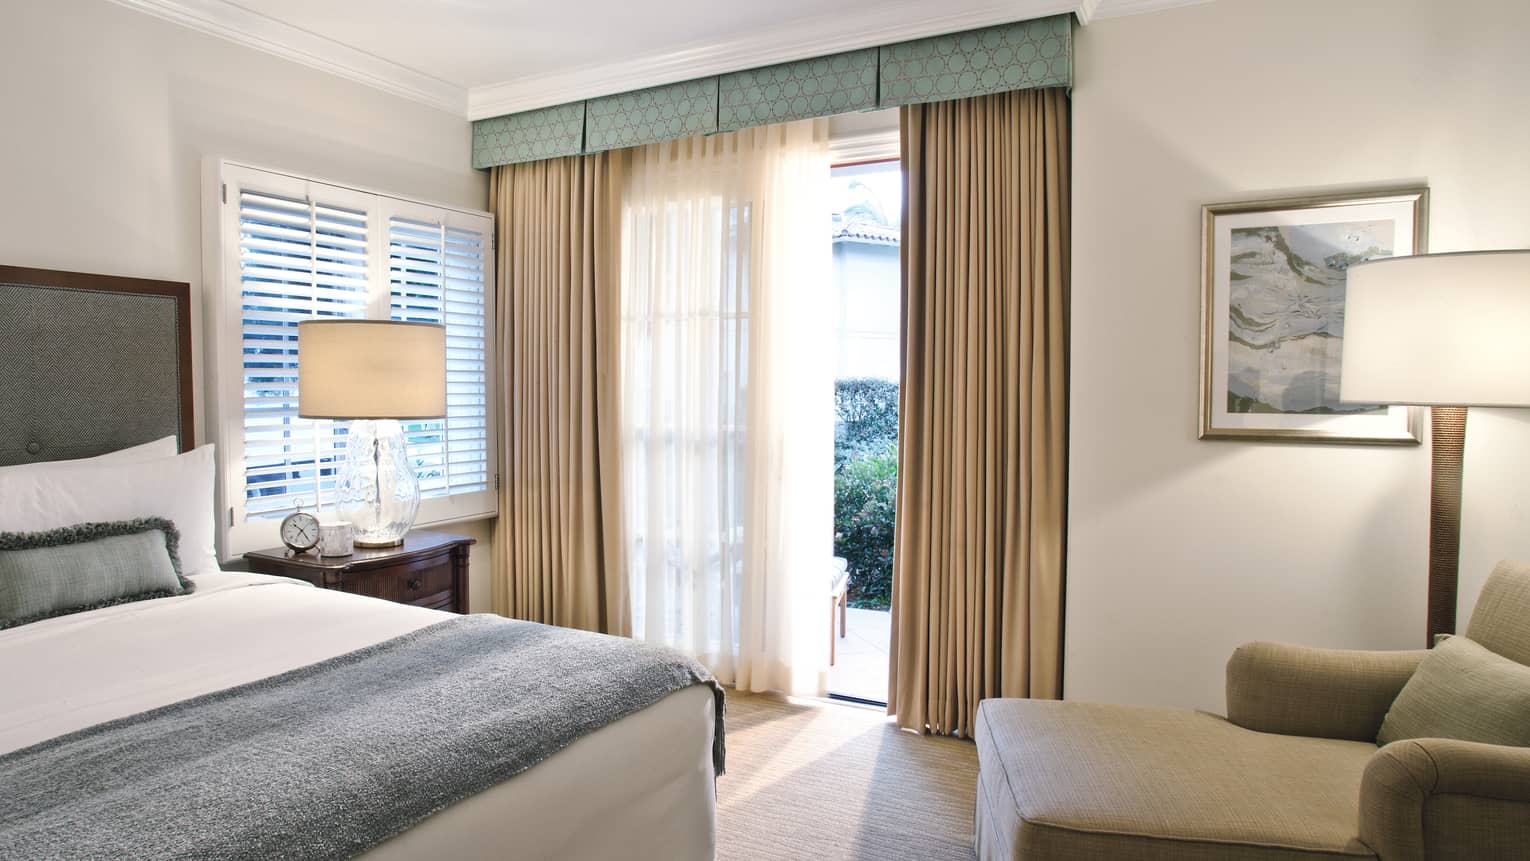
(107, 114)
(867, 309)
(1181, 549)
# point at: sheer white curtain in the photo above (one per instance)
(727, 402)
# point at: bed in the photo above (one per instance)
(641, 786)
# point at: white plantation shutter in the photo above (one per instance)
(292, 249)
(298, 259)
(436, 275)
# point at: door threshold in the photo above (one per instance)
(860, 701)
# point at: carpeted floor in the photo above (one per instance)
(839, 782)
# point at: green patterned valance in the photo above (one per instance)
(978, 63)
(1019, 56)
(837, 84)
(652, 115)
(529, 136)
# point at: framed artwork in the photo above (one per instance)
(1272, 314)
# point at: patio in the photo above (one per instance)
(860, 657)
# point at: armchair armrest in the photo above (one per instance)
(1322, 693)
(1441, 798)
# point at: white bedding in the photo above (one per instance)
(639, 788)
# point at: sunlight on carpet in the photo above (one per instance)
(831, 781)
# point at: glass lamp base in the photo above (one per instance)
(374, 545)
(378, 492)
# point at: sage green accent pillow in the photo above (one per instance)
(83, 567)
(1462, 691)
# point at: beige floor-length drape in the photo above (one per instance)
(978, 570)
(558, 546)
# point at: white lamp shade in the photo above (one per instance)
(1439, 330)
(371, 369)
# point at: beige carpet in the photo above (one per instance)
(838, 781)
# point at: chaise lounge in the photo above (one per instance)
(1293, 772)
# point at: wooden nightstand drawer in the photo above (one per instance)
(429, 570)
(426, 582)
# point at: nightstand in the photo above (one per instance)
(429, 570)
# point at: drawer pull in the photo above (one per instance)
(413, 583)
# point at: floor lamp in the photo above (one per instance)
(1447, 331)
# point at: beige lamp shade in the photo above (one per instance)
(1438, 330)
(371, 369)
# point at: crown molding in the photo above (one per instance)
(1122, 8)
(802, 39)
(799, 40)
(251, 29)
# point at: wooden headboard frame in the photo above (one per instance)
(13, 276)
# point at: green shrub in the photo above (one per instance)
(867, 417)
(865, 493)
(866, 486)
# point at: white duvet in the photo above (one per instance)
(639, 788)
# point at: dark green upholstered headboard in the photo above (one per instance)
(91, 363)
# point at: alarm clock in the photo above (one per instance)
(300, 531)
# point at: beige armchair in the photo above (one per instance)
(1293, 771)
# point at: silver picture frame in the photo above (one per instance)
(1272, 314)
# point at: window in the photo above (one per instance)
(292, 249)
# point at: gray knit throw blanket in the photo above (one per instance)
(331, 759)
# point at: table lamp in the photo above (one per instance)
(1447, 331)
(374, 373)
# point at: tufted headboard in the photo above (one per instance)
(91, 364)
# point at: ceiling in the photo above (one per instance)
(484, 58)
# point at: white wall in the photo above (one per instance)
(867, 309)
(1180, 549)
(106, 113)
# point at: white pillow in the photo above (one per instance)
(160, 448)
(179, 489)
